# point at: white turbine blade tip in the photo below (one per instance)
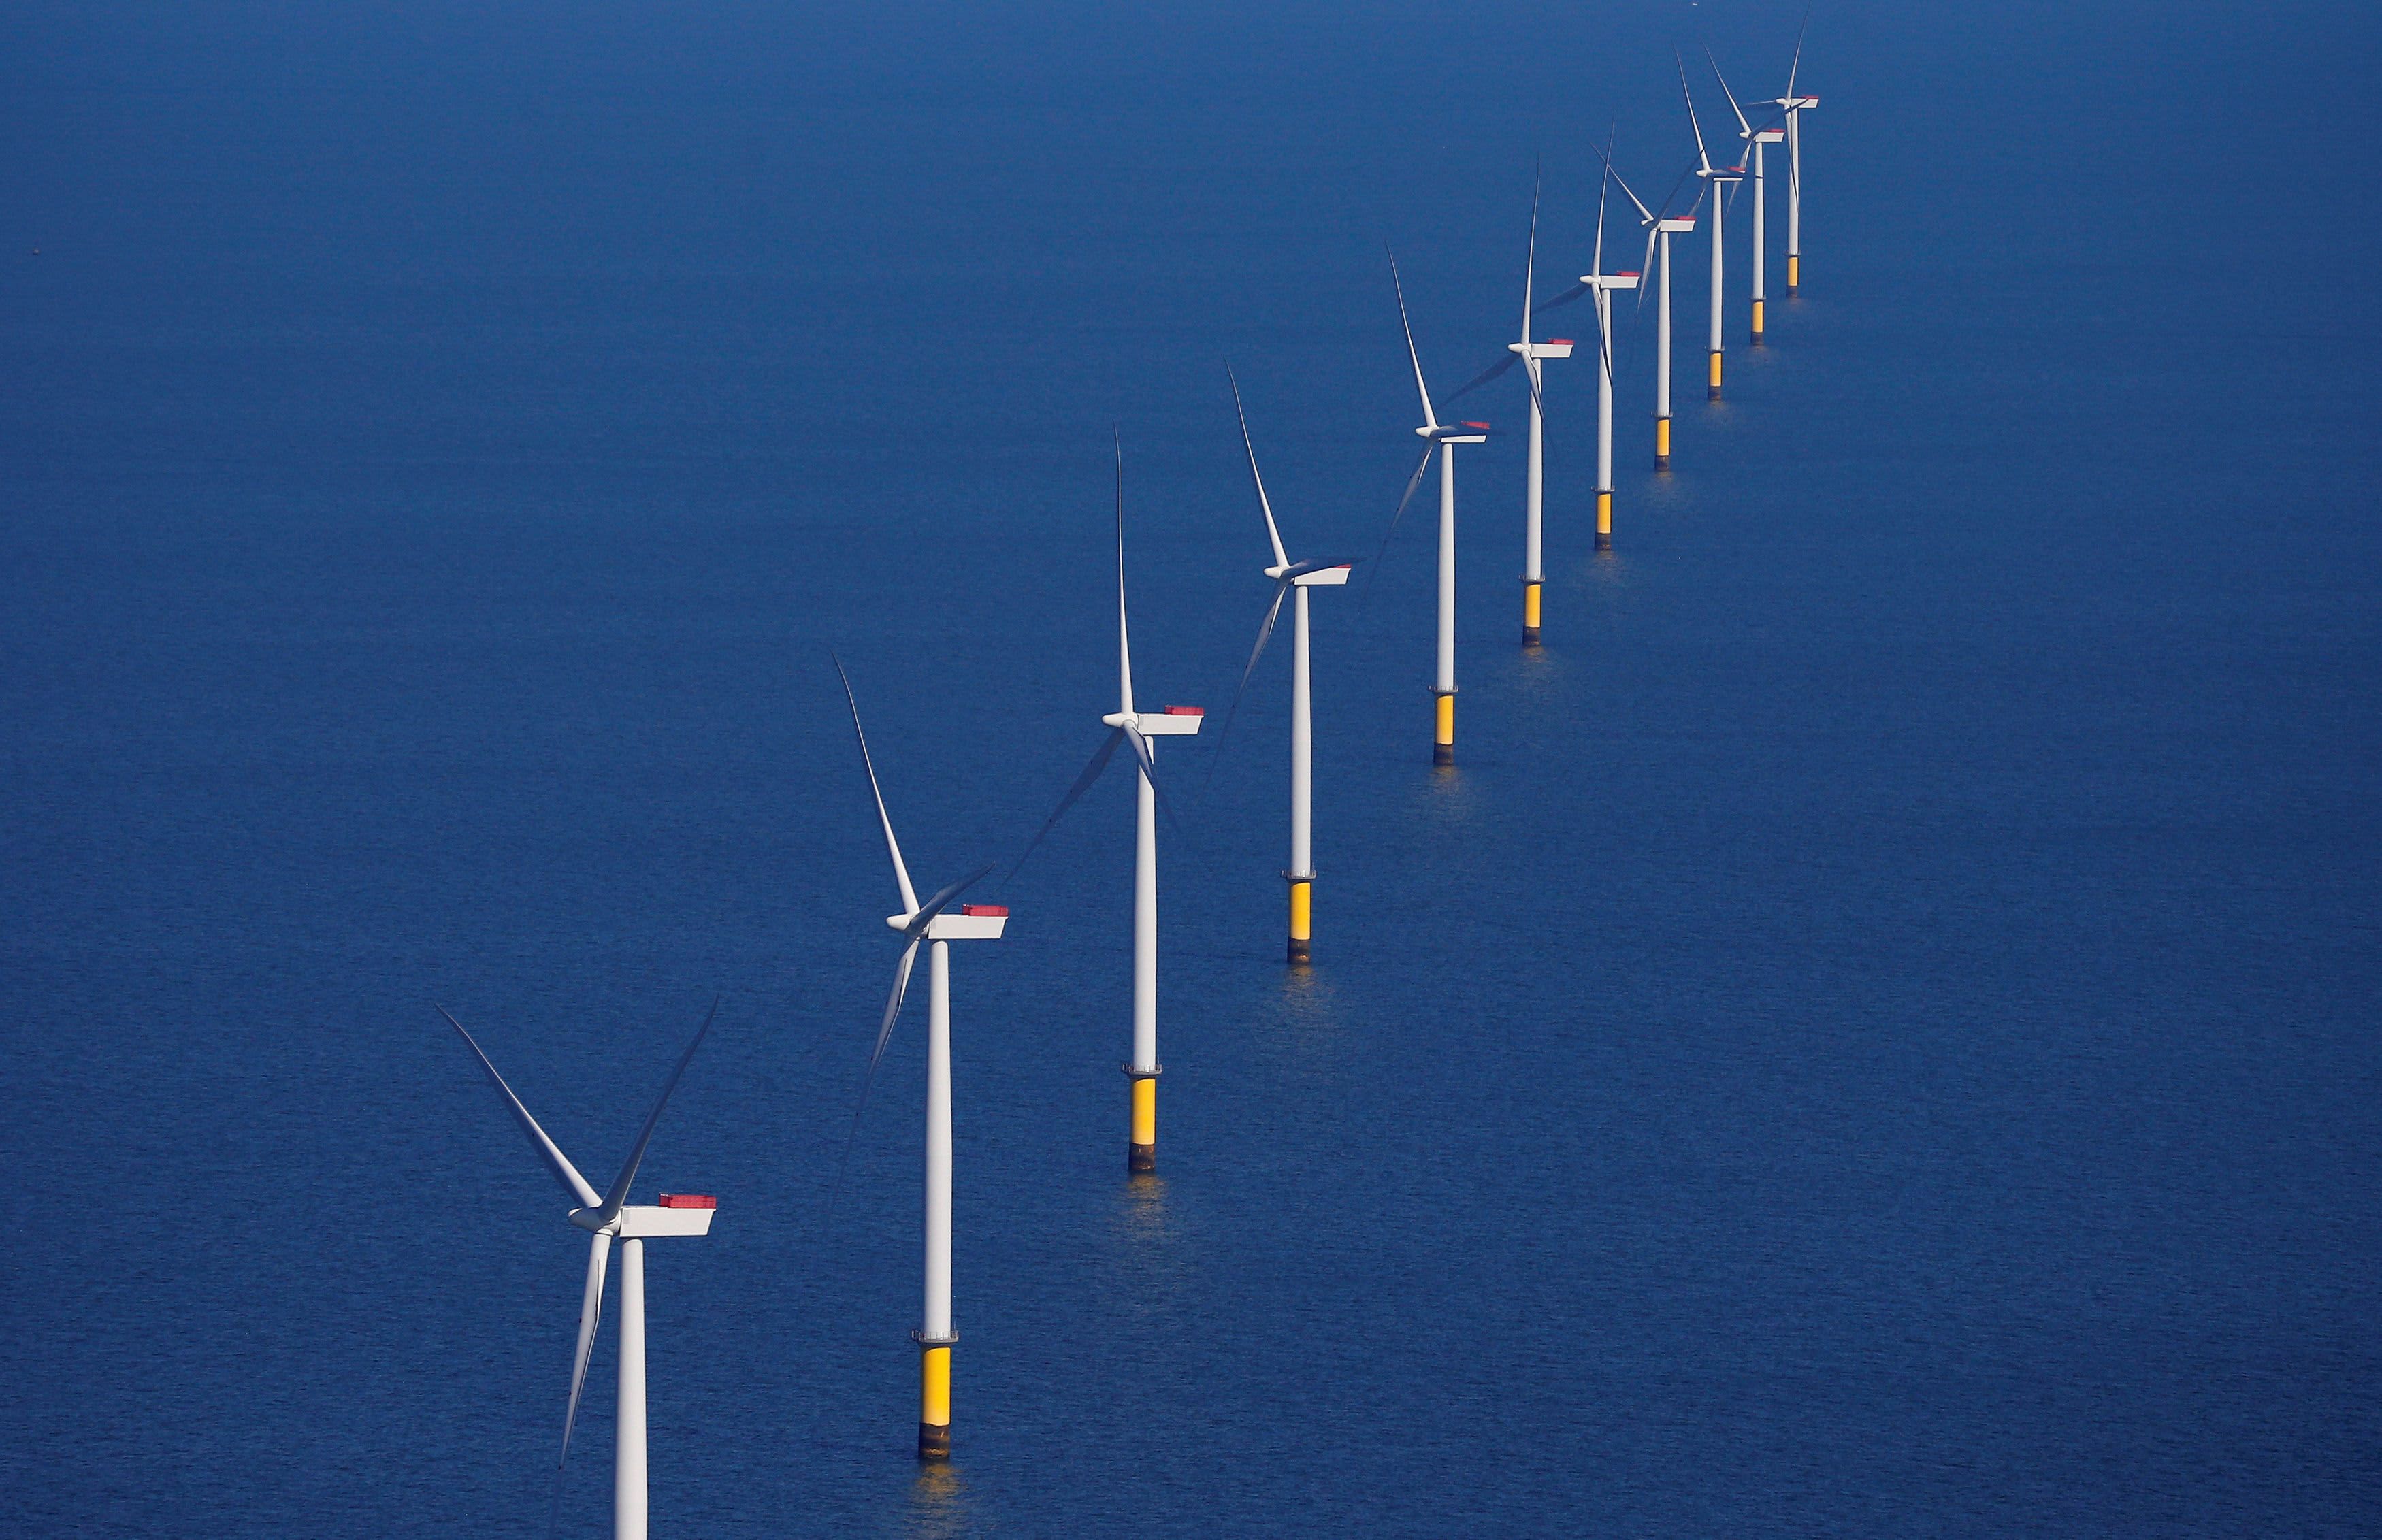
(590, 1315)
(867, 763)
(556, 1161)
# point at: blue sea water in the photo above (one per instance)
(1875, 1036)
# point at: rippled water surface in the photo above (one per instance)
(1875, 1036)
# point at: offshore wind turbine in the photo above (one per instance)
(1128, 724)
(1290, 579)
(1532, 355)
(1600, 285)
(1795, 107)
(932, 926)
(1717, 180)
(609, 1216)
(1660, 228)
(1440, 439)
(1760, 140)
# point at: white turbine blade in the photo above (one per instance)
(1494, 372)
(892, 845)
(1530, 261)
(591, 1314)
(1412, 482)
(1701, 156)
(892, 1011)
(573, 1184)
(1566, 298)
(1497, 370)
(1100, 762)
(619, 1196)
(1265, 634)
(1429, 419)
(1673, 196)
(1646, 215)
(1603, 186)
(1149, 769)
(1265, 505)
(1646, 266)
(1124, 645)
(1797, 63)
(884, 1033)
(1745, 129)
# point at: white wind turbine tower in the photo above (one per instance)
(932, 924)
(1795, 107)
(1292, 579)
(1660, 228)
(1128, 724)
(609, 1216)
(1717, 182)
(1534, 356)
(1600, 285)
(1438, 439)
(1760, 139)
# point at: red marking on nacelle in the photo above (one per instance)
(1187, 711)
(1558, 342)
(1483, 426)
(1000, 909)
(689, 1200)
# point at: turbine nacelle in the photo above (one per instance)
(1766, 136)
(1608, 280)
(1456, 432)
(1673, 224)
(1317, 576)
(1796, 104)
(1172, 722)
(962, 923)
(676, 1214)
(1553, 347)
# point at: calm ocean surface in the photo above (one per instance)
(1876, 1036)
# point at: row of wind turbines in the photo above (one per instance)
(1717, 185)
(942, 919)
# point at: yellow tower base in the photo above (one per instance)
(1605, 521)
(1302, 917)
(1794, 274)
(1143, 1157)
(1662, 444)
(1757, 323)
(934, 1402)
(1529, 613)
(1714, 394)
(1443, 746)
